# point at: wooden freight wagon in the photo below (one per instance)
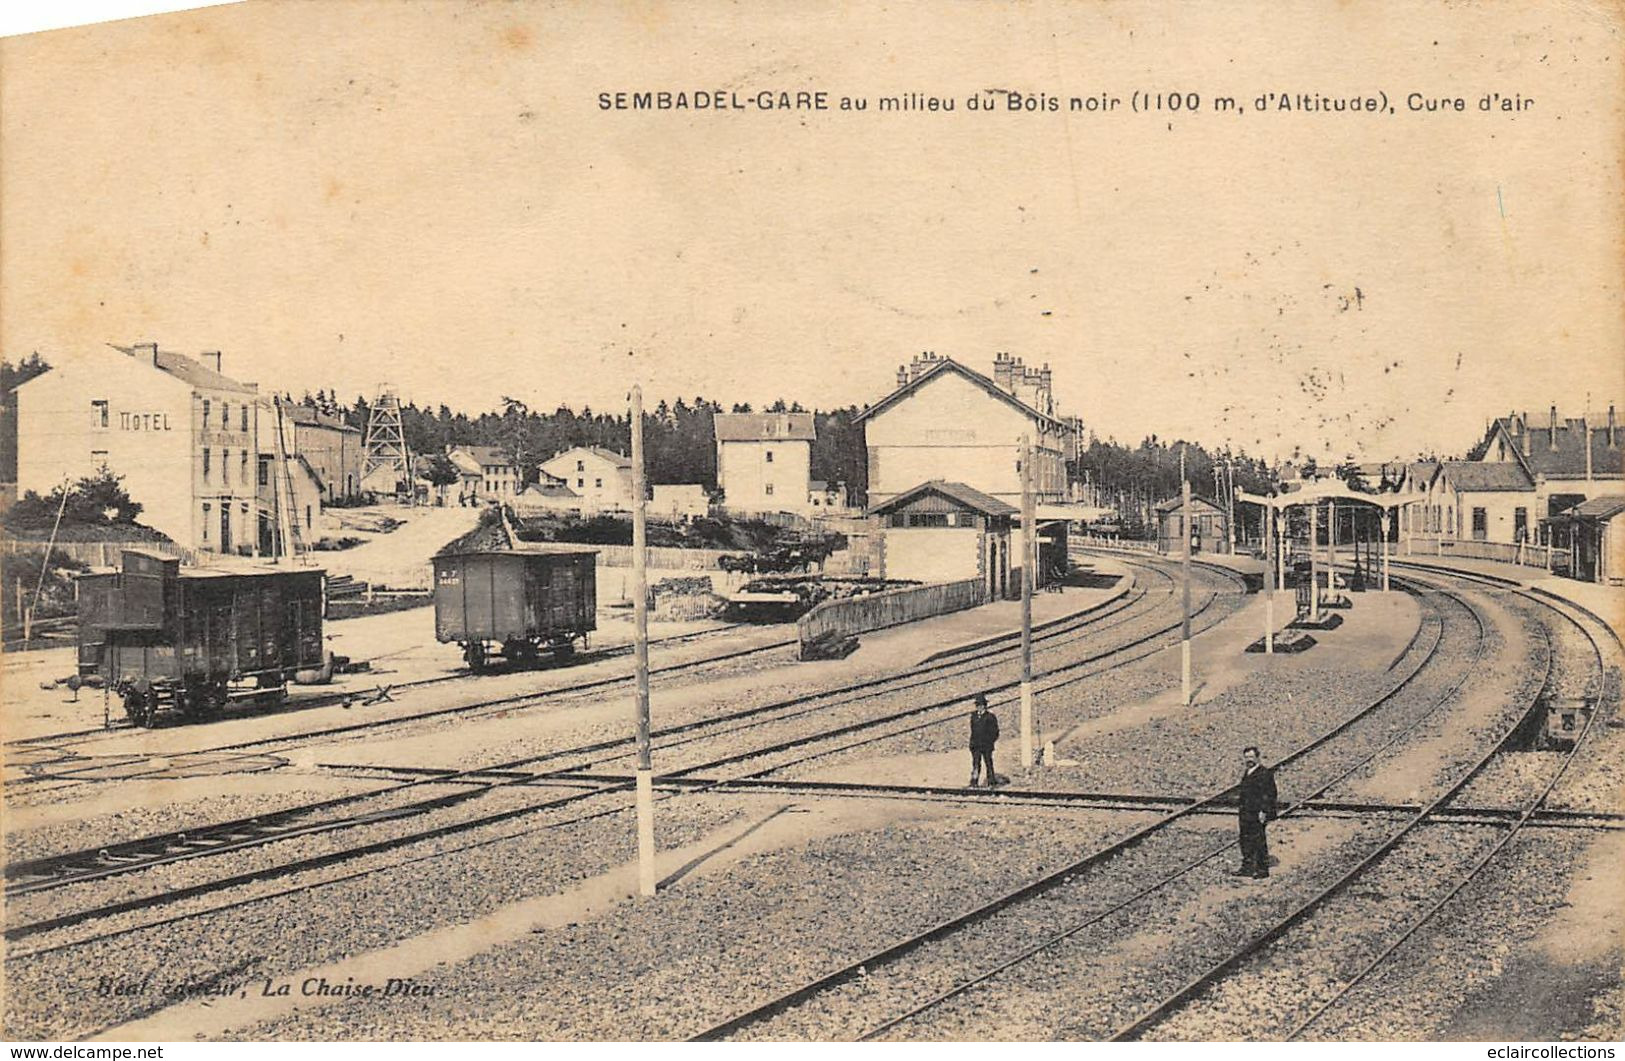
(194, 640)
(516, 602)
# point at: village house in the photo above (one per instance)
(332, 447)
(192, 445)
(486, 472)
(764, 461)
(824, 497)
(600, 478)
(947, 532)
(1595, 531)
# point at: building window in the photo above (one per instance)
(265, 472)
(225, 467)
(581, 466)
(206, 510)
(98, 413)
(768, 490)
(599, 483)
(1520, 524)
(206, 407)
(580, 483)
(245, 418)
(98, 459)
(770, 456)
(307, 517)
(225, 414)
(1481, 525)
(206, 452)
(242, 467)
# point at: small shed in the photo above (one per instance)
(1210, 531)
(1596, 539)
(946, 532)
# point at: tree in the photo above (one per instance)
(440, 471)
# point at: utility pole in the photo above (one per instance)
(1185, 626)
(1269, 577)
(640, 623)
(1314, 562)
(1030, 551)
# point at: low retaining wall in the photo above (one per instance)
(1523, 555)
(876, 611)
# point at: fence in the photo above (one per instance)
(98, 554)
(1127, 545)
(664, 557)
(876, 611)
(1523, 555)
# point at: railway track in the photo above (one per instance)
(1258, 949)
(74, 738)
(84, 866)
(759, 1018)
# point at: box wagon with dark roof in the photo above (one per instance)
(515, 602)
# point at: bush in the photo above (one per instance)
(96, 508)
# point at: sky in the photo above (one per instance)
(347, 193)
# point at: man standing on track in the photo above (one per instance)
(984, 734)
(1258, 806)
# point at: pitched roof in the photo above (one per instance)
(1599, 508)
(186, 370)
(484, 456)
(1174, 504)
(968, 496)
(617, 459)
(548, 489)
(1568, 460)
(949, 365)
(765, 427)
(309, 416)
(1477, 476)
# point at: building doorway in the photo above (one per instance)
(225, 527)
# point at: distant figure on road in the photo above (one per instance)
(984, 734)
(1258, 806)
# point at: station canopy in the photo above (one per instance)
(1328, 490)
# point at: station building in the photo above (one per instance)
(1210, 529)
(193, 445)
(947, 532)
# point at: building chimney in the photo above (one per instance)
(212, 356)
(1003, 368)
(1553, 431)
(1512, 423)
(151, 354)
(1524, 439)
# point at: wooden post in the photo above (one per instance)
(1314, 562)
(640, 622)
(1185, 624)
(1384, 523)
(1269, 576)
(1029, 552)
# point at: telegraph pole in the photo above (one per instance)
(640, 622)
(1269, 577)
(1314, 562)
(1030, 549)
(1185, 626)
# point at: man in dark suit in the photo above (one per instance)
(1258, 806)
(984, 734)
